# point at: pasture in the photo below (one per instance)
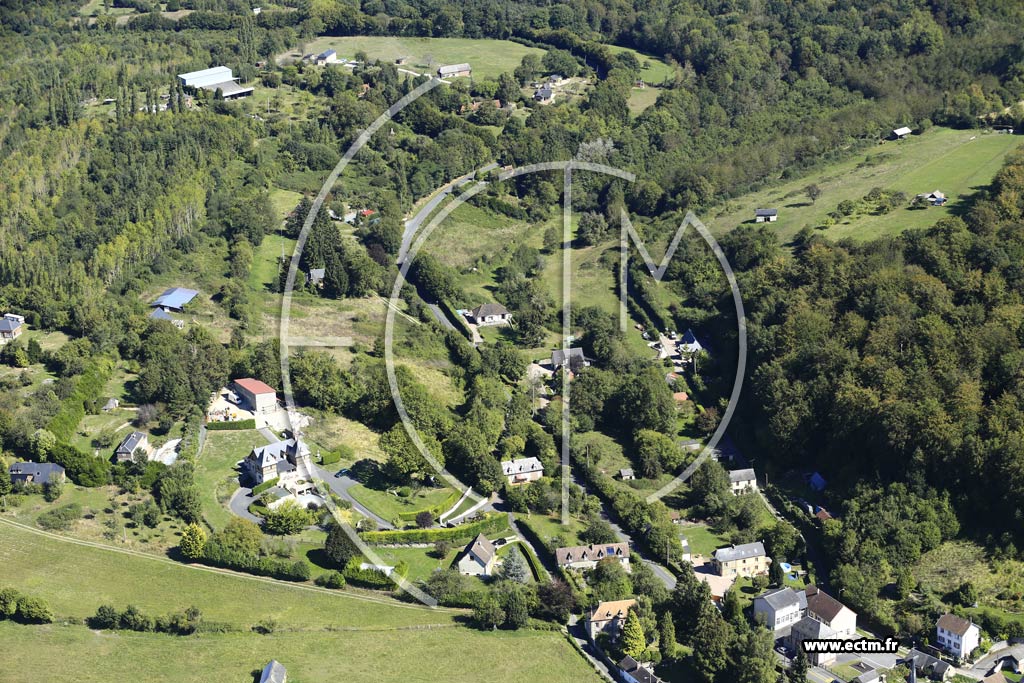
(489, 58)
(956, 162)
(361, 656)
(317, 632)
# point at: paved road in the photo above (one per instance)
(663, 574)
(441, 317)
(340, 486)
(239, 505)
(578, 632)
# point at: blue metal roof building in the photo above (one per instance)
(175, 298)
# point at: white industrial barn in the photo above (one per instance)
(213, 79)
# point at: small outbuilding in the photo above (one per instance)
(454, 70)
(766, 215)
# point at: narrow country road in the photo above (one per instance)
(664, 575)
(413, 223)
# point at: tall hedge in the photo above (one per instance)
(89, 385)
(493, 523)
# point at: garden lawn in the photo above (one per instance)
(551, 531)
(216, 475)
(390, 506)
(421, 561)
(703, 541)
(363, 657)
(488, 58)
(956, 162)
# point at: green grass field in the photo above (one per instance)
(362, 657)
(489, 58)
(642, 98)
(956, 162)
(655, 71)
(319, 632)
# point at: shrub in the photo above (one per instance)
(60, 518)
(331, 580)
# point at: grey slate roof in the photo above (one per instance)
(484, 310)
(482, 548)
(131, 442)
(558, 356)
(8, 325)
(586, 553)
(161, 314)
(809, 627)
(36, 471)
(781, 598)
(638, 671)
(766, 212)
(931, 665)
(740, 552)
(738, 476)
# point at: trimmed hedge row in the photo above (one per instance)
(225, 426)
(460, 322)
(493, 523)
(436, 511)
(268, 484)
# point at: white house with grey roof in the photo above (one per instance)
(742, 481)
(522, 470)
(489, 314)
(286, 461)
(749, 559)
(479, 557)
(780, 608)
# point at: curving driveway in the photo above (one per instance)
(240, 502)
(340, 486)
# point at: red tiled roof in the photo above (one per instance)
(255, 386)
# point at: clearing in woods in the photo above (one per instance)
(488, 58)
(955, 162)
